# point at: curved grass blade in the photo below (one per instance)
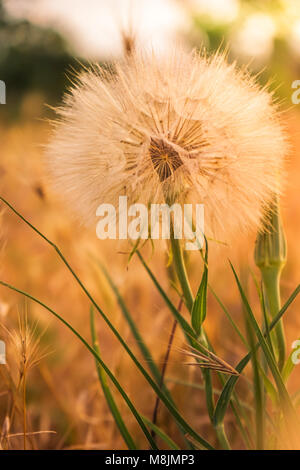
(136, 334)
(106, 390)
(190, 336)
(257, 388)
(271, 390)
(132, 325)
(228, 388)
(187, 330)
(198, 313)
(177, 416)
(232, 322)
(103, 365)
(290, 364)
(161, 434)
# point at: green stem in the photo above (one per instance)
(222, 437)
(180, 268)
(181, 272)
(271, 280)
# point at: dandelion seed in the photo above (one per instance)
(188, 128)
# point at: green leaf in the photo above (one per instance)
(106, 390)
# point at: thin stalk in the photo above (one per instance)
(24, 411)
(164, 369)
(220, 430)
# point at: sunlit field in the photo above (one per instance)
(65, 406)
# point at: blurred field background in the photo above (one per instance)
(40, 45)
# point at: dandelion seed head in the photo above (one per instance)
(187, 127)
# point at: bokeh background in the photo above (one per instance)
(42, 42)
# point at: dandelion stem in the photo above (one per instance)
(180, 268)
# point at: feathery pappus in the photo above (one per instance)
(186, 128)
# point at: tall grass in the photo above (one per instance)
(273, 411)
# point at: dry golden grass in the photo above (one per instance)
(63, 393)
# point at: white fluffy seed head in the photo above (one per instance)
(189, 128)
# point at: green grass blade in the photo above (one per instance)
(271, 390)
(132, 325)
(289, 365)
(177, 416)
(188, 331)
(290, 414)
(161, 434)
(268, 354)
(169, 405)
(135, 332)
(225, 396)
(179, 266)
(228, 389)
(153, 384)
(232, 322)
(106, 390)
(93, 352)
